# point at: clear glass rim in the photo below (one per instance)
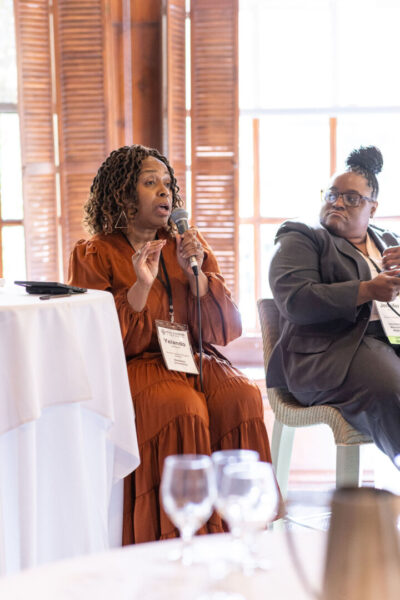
(243, 469)
(194, 461)
(242, 454)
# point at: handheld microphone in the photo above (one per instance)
(180, 217)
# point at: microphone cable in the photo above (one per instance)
(179, 216)
(196, 274)
(167, 287)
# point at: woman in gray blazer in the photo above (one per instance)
(326, 280)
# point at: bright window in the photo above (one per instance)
(12, 245)
(317, 78)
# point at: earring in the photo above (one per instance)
(107, 227)
(122, 221)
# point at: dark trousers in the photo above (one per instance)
(369, 397)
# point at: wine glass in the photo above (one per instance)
(248, 499)
(188, 492)
(222, 458)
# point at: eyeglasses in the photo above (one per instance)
(350, 199)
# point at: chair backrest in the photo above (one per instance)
(279, 398)
(269, 321)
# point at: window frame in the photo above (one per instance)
(257, 219)
(7, 108)
(332, 112)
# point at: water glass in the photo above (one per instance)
(188, 493)
(222, 458)
(248, 500)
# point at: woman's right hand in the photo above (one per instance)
(385, 287)
(146, 260)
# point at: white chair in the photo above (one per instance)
(289, 414)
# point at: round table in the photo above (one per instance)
(144, 572)
(67, 428)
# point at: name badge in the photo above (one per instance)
(390, 321)
(175, 347)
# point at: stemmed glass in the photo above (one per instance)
(188, 493)
(248, 499)
(222, 458)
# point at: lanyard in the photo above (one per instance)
(378, 269)
(167, 286)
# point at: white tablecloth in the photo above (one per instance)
(67, 430)
(144, 572)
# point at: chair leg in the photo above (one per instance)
(281, 451)
(347, 466)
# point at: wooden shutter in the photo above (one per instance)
(80, 68)
(37, 140)
(146, 75)
(175, 92)
(214, 62)
(118, 63)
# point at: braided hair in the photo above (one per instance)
(368, 163)
(114, 188)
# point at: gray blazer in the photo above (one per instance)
(314, 277)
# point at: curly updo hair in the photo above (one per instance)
(114, 189)
(366, 161)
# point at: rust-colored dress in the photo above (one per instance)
(172, 415)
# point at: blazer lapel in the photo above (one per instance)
(346, 248)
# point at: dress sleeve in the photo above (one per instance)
(300, 293)
(221, 321)
(136, 327)
(91, 266)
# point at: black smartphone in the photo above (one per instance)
(50, 287)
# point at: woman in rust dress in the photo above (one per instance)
(133, 253)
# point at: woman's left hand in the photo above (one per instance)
(391, 258)
(188, 245)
